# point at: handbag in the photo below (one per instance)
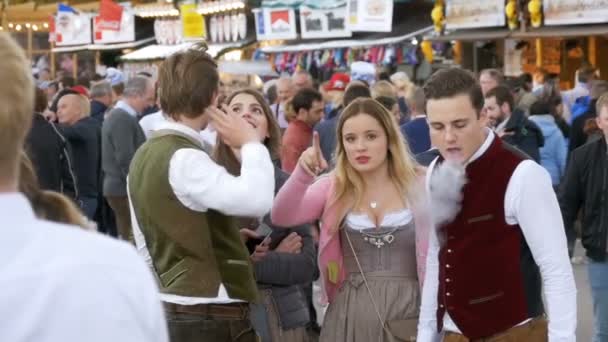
(401, 329)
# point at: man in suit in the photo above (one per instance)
(121, 135)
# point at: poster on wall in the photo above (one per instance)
(567, 12)
(193, 24)
(463, 14)
(126, 32)
(275, 23)
(318, 23)
(370, 15)
(72, 28)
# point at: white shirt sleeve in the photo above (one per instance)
(200, 184)
(427, 323)
(531, 202)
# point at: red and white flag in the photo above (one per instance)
(110, 16)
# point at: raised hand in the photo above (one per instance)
(312, 159)
(291, 244)
(232, 129)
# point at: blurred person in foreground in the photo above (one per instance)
(66, 284)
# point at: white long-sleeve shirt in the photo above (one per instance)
(61, 283)
(531, 203)
(200, 184)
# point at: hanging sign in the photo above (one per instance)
(275, 23)
(567, 12)
(317, 23)
(110, 16)
(126, 32)
(71, 27)
(370, 15)
(462, 14)
(192, 22)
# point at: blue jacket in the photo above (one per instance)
(554, 153)
(416, 133)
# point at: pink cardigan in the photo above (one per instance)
(302, 200)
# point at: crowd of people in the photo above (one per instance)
(444, 211)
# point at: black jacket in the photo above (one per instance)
(98, 110)
(51, 157)
(84, 138)
(585, 186)
(285, 274)
(526, 135)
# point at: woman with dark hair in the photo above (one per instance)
(551, 94)
(284, 259)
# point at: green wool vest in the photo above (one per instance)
(192, 251)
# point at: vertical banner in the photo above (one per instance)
(193, 24)
(370, 15)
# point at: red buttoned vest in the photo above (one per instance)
(488, 280)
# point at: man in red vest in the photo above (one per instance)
(501, 242)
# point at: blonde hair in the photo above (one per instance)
(47, 205)
(349, 185)
(402, 83)
(383, 88)
(17, 98)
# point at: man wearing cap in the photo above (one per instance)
(335, 92)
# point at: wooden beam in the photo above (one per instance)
(539, 52)
(75, 65)
(592, 50)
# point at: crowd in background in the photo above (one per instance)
(91, 158)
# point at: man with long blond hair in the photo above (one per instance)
(60, 283)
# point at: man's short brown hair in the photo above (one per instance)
(16, 111)
(502, 95)
(451, 82)
(188, 81)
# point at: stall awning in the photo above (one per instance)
(470, 35)
(156, 52)
(346, 43)
(504, 33)
(100, 47)
(563, 31)
(260, 68)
